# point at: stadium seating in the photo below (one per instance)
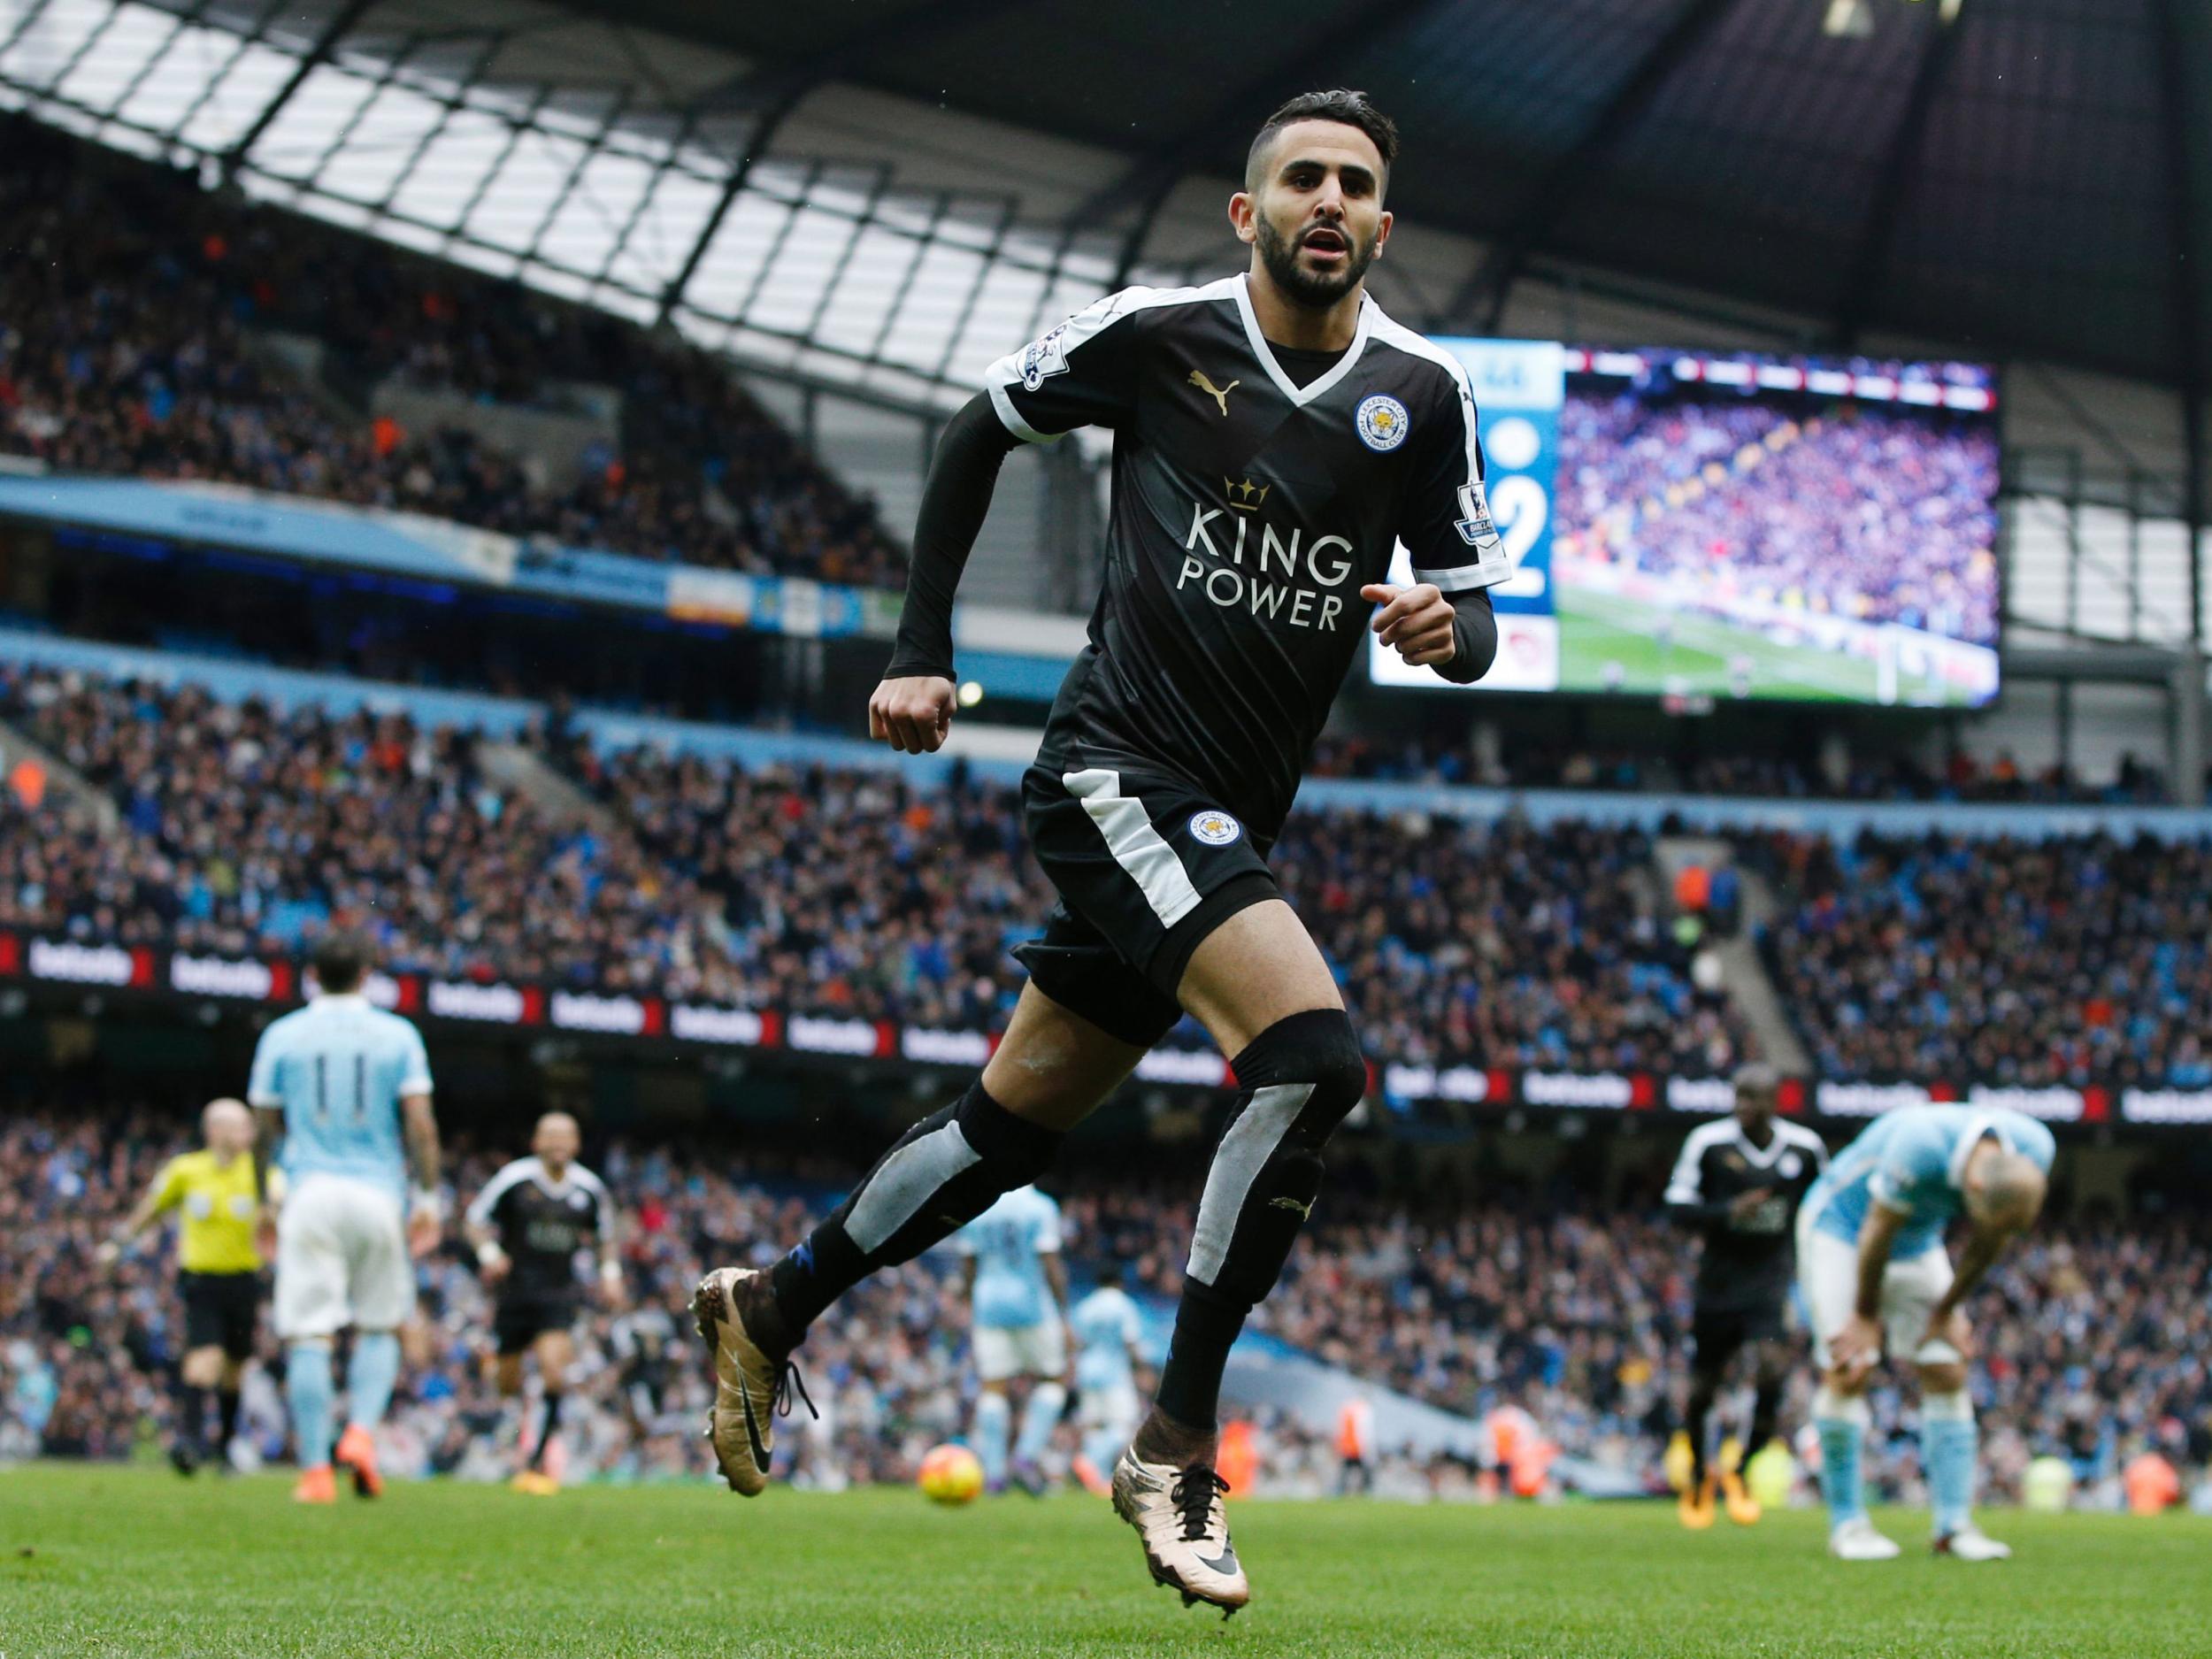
(245, 830)
(128, 322)
(2063, 960)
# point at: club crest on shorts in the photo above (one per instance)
(1383, 423)
(1215, 827)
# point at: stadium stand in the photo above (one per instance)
(245, 828)
(140, 354)
(2024, 961)
(1962, 776)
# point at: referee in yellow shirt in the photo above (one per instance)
(220, 1258)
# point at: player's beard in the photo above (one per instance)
(1309, 288)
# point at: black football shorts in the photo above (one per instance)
(1146, 868)
(1719, 1333)
(522, 1316)
(220, 1310)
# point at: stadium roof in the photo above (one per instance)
(2027, 177)
(891, 190)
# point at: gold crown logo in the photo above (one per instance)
(1247, 495)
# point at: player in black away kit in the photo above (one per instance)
(528, 1225)
(1275, 435)
(1739, 1181)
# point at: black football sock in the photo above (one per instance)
(547, 1428)
(191, 1417)
(1695, 1415)
(1766, 1407)
(1300, 1077)
(943, 1172)
(227, 1416)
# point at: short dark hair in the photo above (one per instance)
(1109, 1275)
(1340, 104)
(341, 962)
(1757, 1077)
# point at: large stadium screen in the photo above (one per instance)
(1736, 525)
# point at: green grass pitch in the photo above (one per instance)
(134, 1561)
(1598, 628)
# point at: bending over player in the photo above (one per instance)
(1018, 1289)
(1871, 1264)
(1277, 438)
(527, 1226)
(1108, 1330)
(1741, 1182)
(219, 1273)
(335, 1079)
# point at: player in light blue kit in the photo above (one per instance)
(1872, 1265)
(1019, 1293)
(336, 1079)
(1107, 1329)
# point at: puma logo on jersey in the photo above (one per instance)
(1304, 1210)
(1219, 394)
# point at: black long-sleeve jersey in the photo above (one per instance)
(1748, 1262)
(541, 1224)
(1248, 512)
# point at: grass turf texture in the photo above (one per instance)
(128, 1561)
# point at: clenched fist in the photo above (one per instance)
(1416, 621)
(913, 714)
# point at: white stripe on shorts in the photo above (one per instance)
(1136, 846)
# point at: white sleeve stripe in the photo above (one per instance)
(1011, 419)
(1417, 345)
(1086, 325)
(1686, 1184)
(1460, 577)
(479, 1213)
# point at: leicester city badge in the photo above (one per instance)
(1383, 423)
(1215, 827)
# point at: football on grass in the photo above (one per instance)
(951, 1474)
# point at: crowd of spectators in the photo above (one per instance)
(2061, 961)
(242, 828)
(1856, 511)
(132, 301)
(1962, 776)
(2093, 1341)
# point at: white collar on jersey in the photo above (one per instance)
(1290, 388)
(344, 999)
(1980, 1127)
(1761, 1158)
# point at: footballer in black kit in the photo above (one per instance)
(1257, 491)
(528, 1224)
(1739, 1181)
(1276, 438)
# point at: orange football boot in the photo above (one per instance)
(357, 1455)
